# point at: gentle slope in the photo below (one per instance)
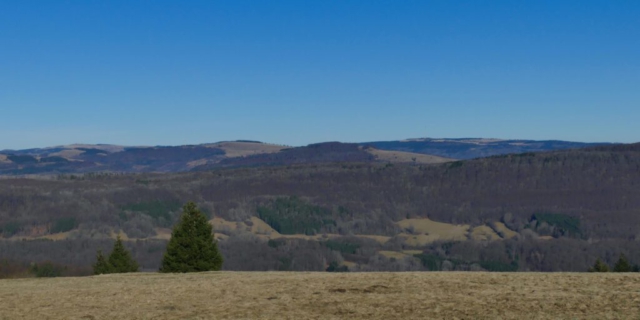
(297, 295)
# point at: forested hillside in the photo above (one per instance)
(534, 211)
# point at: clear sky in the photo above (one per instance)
(297, 72)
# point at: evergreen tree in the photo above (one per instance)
(120, 259)
(192, 247)
(101, 266)
(46, 270)
(599, 266)
(622, 265)
(335, 267)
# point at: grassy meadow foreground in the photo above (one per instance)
(279, 295)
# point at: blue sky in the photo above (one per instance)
(298, 72)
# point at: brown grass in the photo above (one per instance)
(264, 231)
(379, 239)
(67, 153)
(241, 149)
(406, 157)
(195, 163)
(484, 233)
(272, 295)
(106, 147)
(508, 233)
(393, 254)
(428, 226)
(426, 231)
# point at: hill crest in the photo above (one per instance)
(84, 158)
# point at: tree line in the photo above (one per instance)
(622, 265)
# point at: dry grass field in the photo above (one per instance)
(425, 231)
(234, 149)
(406, 157)
(483, 233)
(507, 233)
(276, 295)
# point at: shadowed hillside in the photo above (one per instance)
(107, 158)
(475, 148)
(98, 158)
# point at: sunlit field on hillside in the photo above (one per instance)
(297, 295)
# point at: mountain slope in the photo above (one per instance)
(110, 158)
(329, 152)
(475, 148)
(80, 159)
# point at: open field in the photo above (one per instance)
(407, 157)
(506, 232)
(276, 295)
(234, 149)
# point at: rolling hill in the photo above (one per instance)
(470, 148)
(164, 159)
(82, 158)
(110, 158)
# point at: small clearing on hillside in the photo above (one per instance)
(420, 232)
(484, 233)
(393, 254)
(264, 231)
(67, 153)
(406, 157)
(106, 147)
(506, 232)
(235, 149)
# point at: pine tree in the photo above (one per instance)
(599, 266)
(120, 259)
(622, 265)
(101, 266)
(192, 247)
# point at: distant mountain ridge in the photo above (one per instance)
(327, 152)
(83, 158)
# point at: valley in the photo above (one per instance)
(549, 211)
